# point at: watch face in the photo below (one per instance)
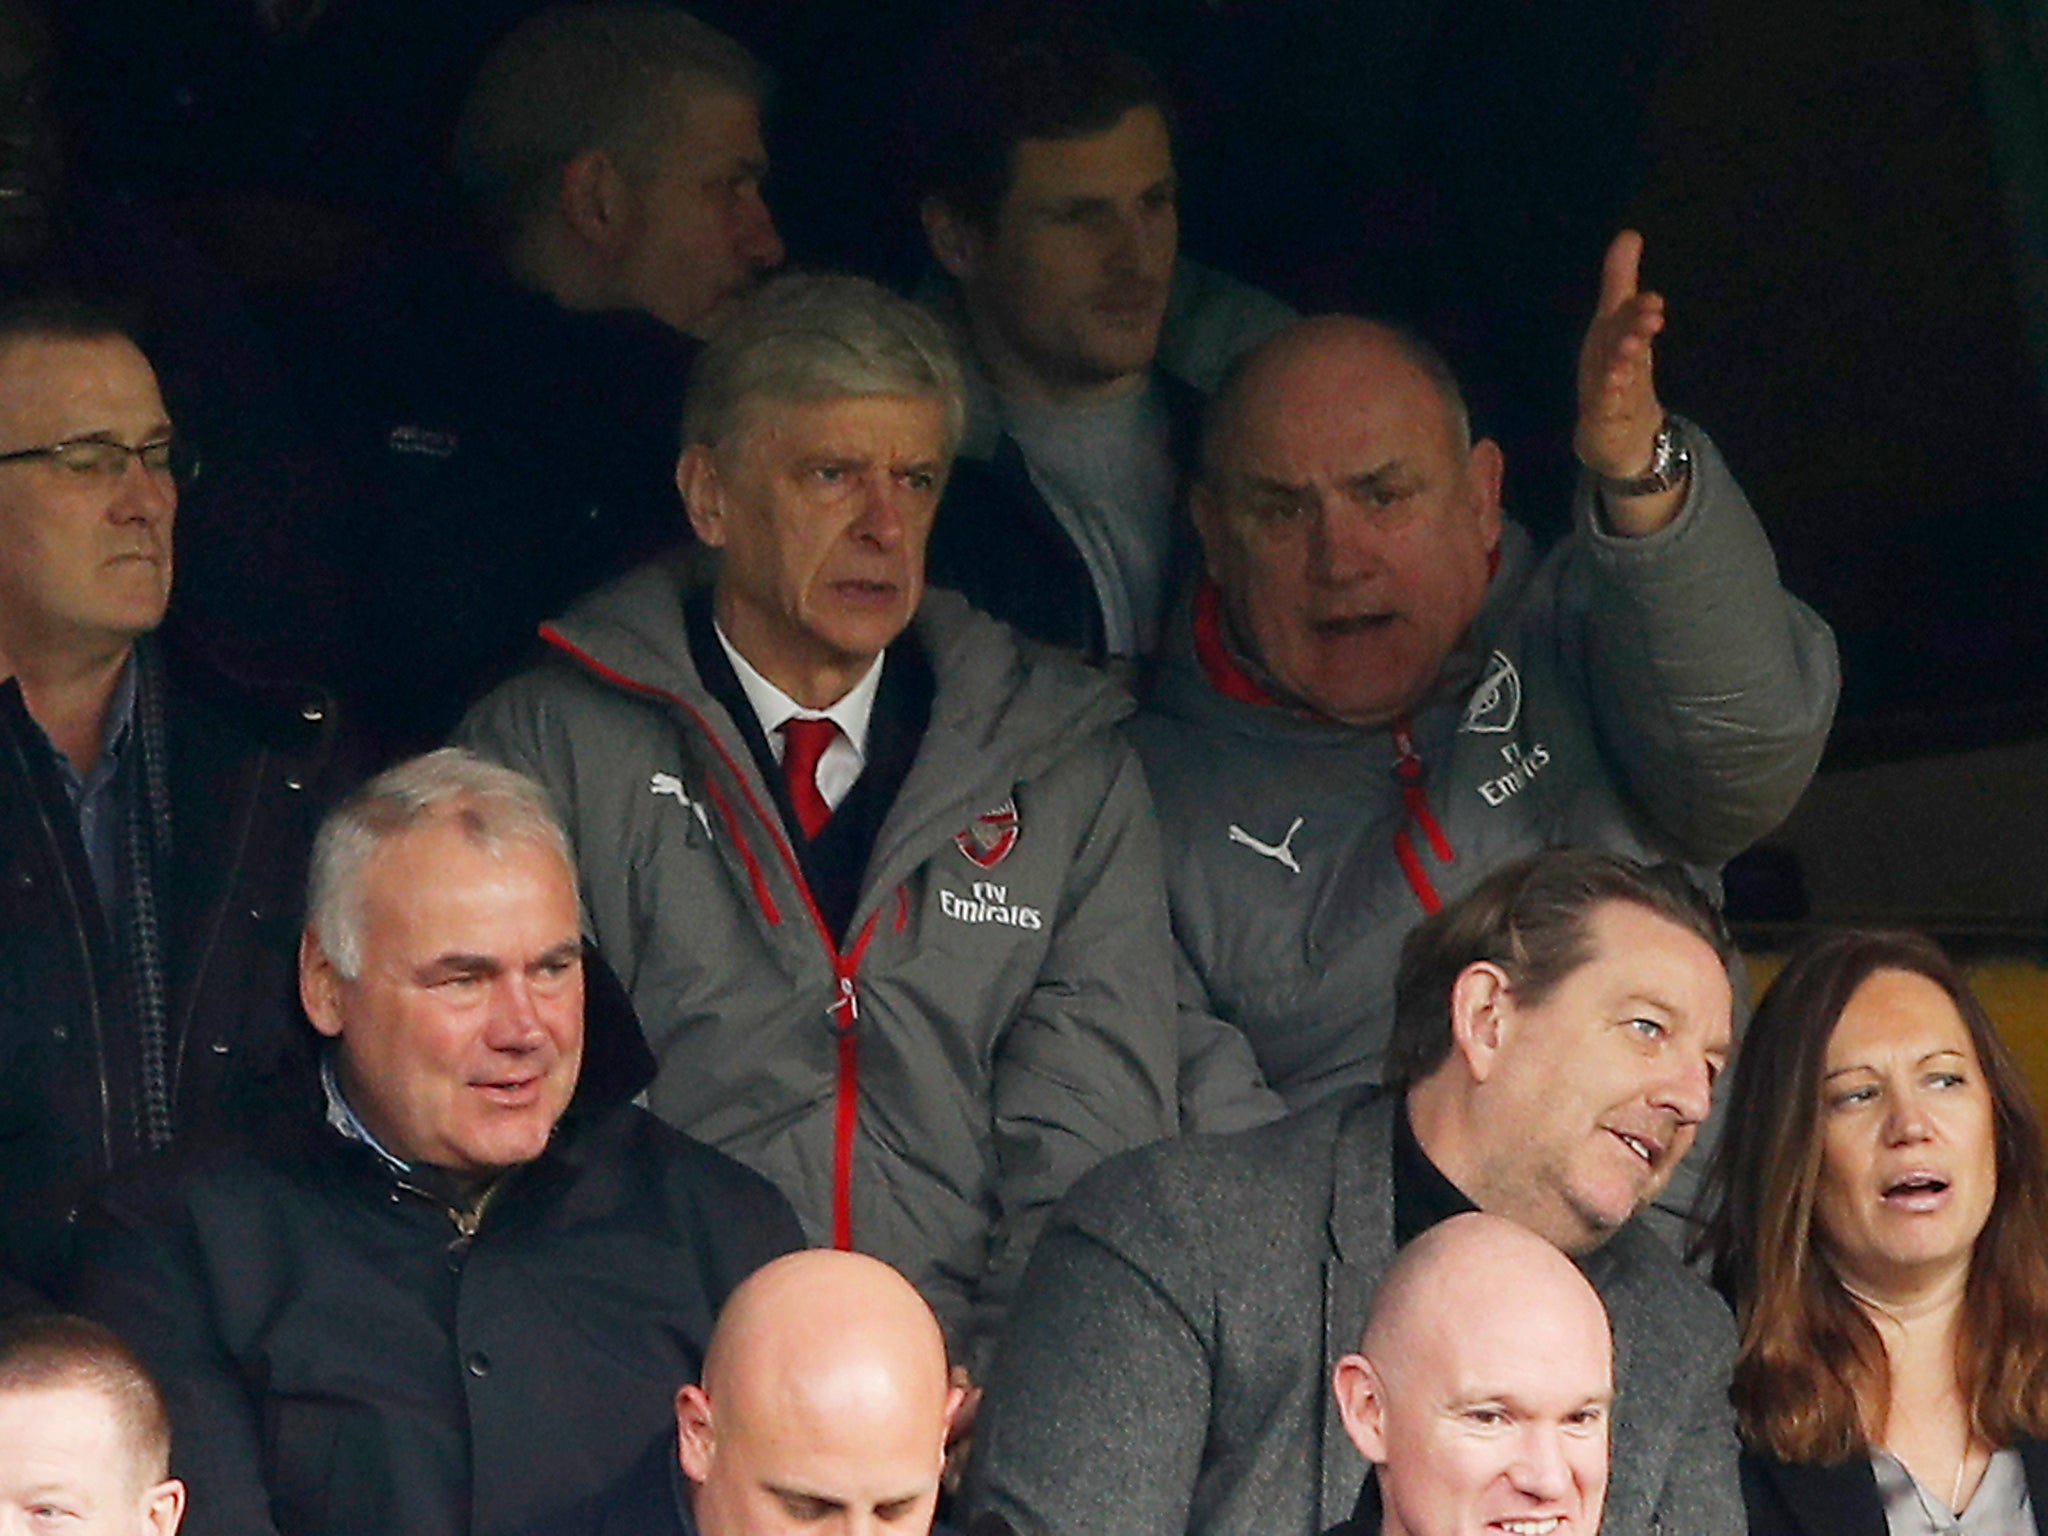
(1669, 464)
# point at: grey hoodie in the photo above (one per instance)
(1662, 697)
(1001, 1015)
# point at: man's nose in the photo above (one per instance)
(1689, 1091)
(142, 494)
(1342, 544)
(880, 520)
(515, 1015)
(1541, 1469)
(759, 243)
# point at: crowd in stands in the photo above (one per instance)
(647, 895)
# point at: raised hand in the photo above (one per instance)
(1618, 410)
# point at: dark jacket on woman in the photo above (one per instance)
(249, 771)
(1806, 1499)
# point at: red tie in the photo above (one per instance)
(803, 743)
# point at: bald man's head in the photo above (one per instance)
(1346, 517)
(825, 1396)
(1481, 1390)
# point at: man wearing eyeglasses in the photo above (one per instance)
(154, 817)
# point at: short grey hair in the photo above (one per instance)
(576, 78)
(494, 806)
(821, 336)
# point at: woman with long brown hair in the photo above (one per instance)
(1880, 1223)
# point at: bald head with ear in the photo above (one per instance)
(1481, 1389)
(825, 1395)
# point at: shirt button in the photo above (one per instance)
(313, 713)
(294, 785)
(478, 1364)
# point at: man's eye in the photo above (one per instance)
(90, 457)
(806, 1511)
(921, 480)
(1276, 509)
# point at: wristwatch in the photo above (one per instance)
(1670, 463)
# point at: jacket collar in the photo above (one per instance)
(1205, 677)
(1361, 1247)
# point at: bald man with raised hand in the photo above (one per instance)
(1481, 1390)
(824, 1406)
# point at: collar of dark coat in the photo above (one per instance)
(581, 1137)
(1842, 1500)
(286, 715)
(1361, 1247)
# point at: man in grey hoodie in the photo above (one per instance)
(1381, 694)
(882, 880)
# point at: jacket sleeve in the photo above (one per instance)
(1099, 1403)
(1712, 687)
(1703, 1493)
(1087, 1067)
(1221, 1086)
(139, 1272)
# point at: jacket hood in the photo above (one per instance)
(993, 686)
(1184, 690)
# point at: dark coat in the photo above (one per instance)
(1797, 1499)
(519, 455)
(998, 542)
(1175, 1331)
(342, 1358)
(249, 773)
(642, 1503)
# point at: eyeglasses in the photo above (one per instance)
(108, 457)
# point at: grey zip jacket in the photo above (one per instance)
(1000, 1016)
(1663, 697)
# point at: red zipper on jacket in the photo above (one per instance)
(1409, 774)
(844, 1012)
(1231, 680)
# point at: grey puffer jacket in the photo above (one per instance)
(1000, 1016)
(1663, 697)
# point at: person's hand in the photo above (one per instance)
(1618, 410)
(1619, 413)
(960, 1428)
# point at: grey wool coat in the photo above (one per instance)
(1174, 1336)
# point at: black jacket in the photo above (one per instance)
(997, 541)
(1798, 1499)
(347, 1353)
(249, 773)
(519, 455)
(642, 1503)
